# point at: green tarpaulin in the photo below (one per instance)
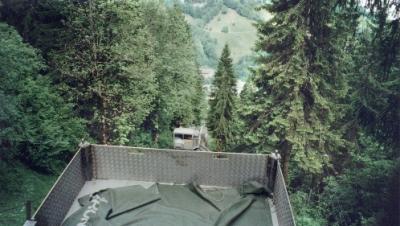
(174, 205)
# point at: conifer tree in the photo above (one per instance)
(298, 84)
(222, 102)
(376, 92)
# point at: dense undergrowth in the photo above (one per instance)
(19, 185)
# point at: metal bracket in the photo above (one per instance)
(30, 223)
(87, 162)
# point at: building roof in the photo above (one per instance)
(182, 130)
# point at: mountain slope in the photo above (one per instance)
(235, 30)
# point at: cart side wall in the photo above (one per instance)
(177, 166)
(281, 200)
(158, 165)
(58, 201)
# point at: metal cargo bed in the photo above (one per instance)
(96, 167)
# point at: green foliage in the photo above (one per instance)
(179, 100)
(325, 92)
(311, 67)
(106, 67)
(244, 66)
(224, 11)
(365, 191)
(362, 193)
(375, 84)
(205, 47)
(206, 12)
(22, 184)
(208, 18)
(41, 22)
(50, 131)
(211, 8)
(306, 212)
(101, 58)
(295, 106)
(166, 139)
(10, 178)
(245, 109)
(222, 102)
(141, 138)
(145, 138)
(244, 8)
(37, 126)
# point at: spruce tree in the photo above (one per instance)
(299, 84)
(376, 84)
(222, 102)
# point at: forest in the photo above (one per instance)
(322, 89)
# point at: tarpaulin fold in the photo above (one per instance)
(175, 205)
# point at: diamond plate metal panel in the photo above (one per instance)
(54, 207)
(160, 165)
(177, 166)
(281, 200)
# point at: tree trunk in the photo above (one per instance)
(103, 131)
(285, 166)
(103, 122)
(156, 137)
(285, 152)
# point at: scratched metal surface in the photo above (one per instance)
(177, 166)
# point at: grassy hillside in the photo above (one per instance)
(215, 24)
(238, 31)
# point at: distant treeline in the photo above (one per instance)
(211, 8)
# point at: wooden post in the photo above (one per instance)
(28, 209)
